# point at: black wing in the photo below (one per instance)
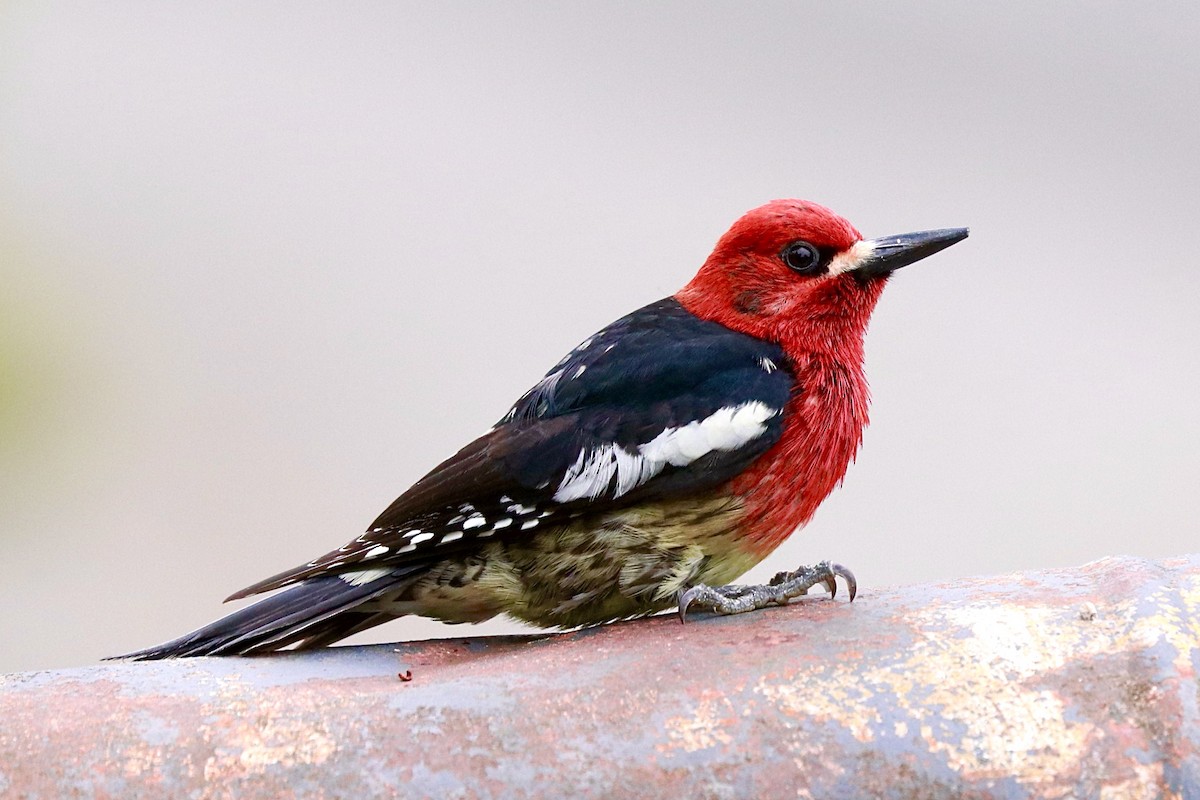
(658, 404)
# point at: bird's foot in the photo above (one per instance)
(783, 587)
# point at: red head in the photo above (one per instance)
(798, 274)
(795, 273)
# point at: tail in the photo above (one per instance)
(314, 613)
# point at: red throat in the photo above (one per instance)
(820, 324)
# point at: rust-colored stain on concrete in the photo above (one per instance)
(1056, 684)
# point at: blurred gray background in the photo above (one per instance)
(263, 265)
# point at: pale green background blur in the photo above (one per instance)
(262, 265)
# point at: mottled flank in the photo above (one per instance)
(628, 563)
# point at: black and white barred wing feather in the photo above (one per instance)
(659, 404)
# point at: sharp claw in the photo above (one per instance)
(848, 576)
(831, 585)
(685, 600)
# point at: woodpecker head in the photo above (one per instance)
(793, 270)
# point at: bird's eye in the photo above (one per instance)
(803, 258)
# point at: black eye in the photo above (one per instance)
(803, 258)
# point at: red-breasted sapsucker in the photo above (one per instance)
(661, 458)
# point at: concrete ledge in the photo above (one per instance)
(1059, 683)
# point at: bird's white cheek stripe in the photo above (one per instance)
(726, 429)
(851, 258)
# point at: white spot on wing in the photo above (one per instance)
(451, 537)
(502, 523)
(359, 577)
(422, 537)
(589, 476)
(724, 430)
(632, 470)
(748, 422)
(378, 550)
(689, 443)
(730, 428)
(475, 521)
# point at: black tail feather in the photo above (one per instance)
(315, 612)
(345, 624)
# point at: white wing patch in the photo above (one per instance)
(359, 577)
(726, 429)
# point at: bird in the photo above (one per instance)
(660, 459)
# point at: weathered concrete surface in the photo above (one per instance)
(1011, 686)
